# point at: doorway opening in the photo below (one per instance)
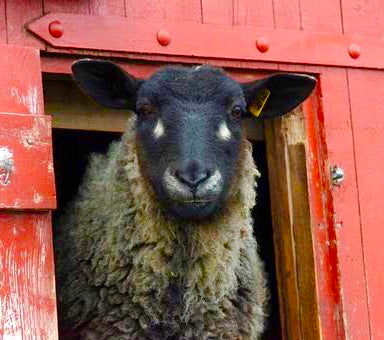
(282, 227)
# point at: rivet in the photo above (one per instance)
(262, 44)
(354, 51)
(163, 37)
(337, 175)
(56, 29)
(30, 141)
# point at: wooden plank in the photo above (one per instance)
(20, 84)
(323, 229)
(3, 23)
(340, 146)
(366, 95)
(253, 13)
(294, 128)
(67, 6)
(217, 11)
(287, 14)
(25, 148)
(286, 152)
(321, 16)
(286, 271)
(173, 10)
(27, 282)
(107, 7)
(18, 13)
(361, 17)
(208, 41)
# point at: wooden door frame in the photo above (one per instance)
(307, 267)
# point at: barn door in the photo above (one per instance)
(27, 194)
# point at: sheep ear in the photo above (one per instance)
(278, 94)
(106, 83)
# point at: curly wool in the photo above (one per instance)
(127, 270)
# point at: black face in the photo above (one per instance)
(189, 132)
(189, 125)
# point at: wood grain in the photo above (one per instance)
(368, 128)
(27, 282)
(286, 272)
(173, 10)
(18, 13)
(107, 7)
(3, 23)
(67, 6)
(341, 152)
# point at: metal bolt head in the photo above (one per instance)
(262, 44)
(337, 174)
(163, 37)
(354, 51)
(56, 29)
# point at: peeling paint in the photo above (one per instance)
(6, 165)
(37, 198)
(29, 100)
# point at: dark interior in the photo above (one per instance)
(72, 149)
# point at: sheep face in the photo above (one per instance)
(189, 125)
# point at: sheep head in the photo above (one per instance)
(188, 128)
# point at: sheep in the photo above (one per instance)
(158, 243)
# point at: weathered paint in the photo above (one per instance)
(6, 165)
(27, 287)
(31, 184)
(27, 282)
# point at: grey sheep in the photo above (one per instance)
(158, 243)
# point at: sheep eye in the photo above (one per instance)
(146, 109)
(237, 111)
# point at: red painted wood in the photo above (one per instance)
(107, 7)
(20, 84)
(203, 40)
(27, 284)
(287, 14)
(362, 17)
(67, 6)
(31, 182)
(321, 16)
(367, 93)
(253, 13)
(173, 10)
(18, 14)
(324, 238)
(340, 144)
(3, 23)
(217, 11)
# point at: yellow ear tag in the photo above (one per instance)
(258, 104)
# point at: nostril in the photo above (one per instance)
(192, 178)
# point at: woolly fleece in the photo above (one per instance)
(127, 270)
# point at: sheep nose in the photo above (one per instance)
(192, 174)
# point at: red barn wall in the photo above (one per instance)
(353, 101)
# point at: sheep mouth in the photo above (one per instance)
(195, 201)
(192, 209)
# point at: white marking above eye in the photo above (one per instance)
(159, 129)
(223, 132)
